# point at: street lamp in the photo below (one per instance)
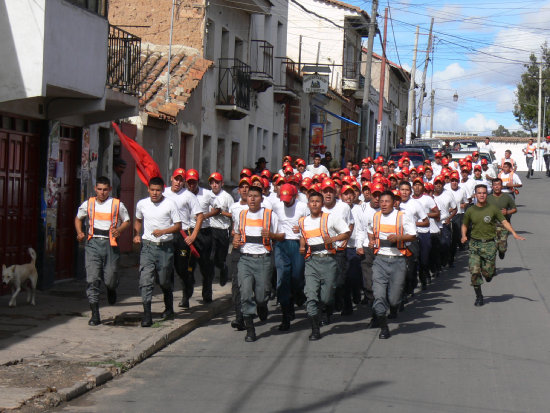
(455, 97)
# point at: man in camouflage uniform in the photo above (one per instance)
(507, 206)
(482, 248)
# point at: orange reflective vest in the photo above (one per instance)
(397, 229)
(322, 231)
(264, 223)
(530, 150)
(111, 218)
(508, 180)
(507, 160)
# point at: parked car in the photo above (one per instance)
(419, 145)
(435, 144)
(416, 155)
(483, 154)
(464, 145)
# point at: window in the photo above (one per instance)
(95, 6)
(235, 170)
(210, 39)
(220, 156)
(250, 146)
(239, 49)
(225, 44)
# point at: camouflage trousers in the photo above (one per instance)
(482, 260)
(502, 238)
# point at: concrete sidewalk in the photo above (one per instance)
(50, 354)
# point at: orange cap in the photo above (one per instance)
(216, 176)
(192, 175)
(179, 172)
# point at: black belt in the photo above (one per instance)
(103, 232)
(317, 247)
(266, 254)
(483, 240)
(384, 243)
(251, 239)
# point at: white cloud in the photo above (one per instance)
(479, 123)
(446, 120)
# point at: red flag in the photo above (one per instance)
(146, 167)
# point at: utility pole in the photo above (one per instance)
(423, 87)
(432, 98)
(411, 93)
(366, 88)
(382, 87)
(540, 106)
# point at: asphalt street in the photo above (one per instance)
(445, 355)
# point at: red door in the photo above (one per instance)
(19, 192)
(66, 210)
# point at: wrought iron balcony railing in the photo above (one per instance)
(286, 70)
(261, 59)
(123, 64)
(234, 83)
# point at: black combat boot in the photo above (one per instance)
(250, 331)
(384, 330)
(285, 324)
(95, 320)
(223, 275)
(325, 315)
(111, 296)
(168, 313)
(393, 312)
(147, 320)
(238, 323)
(262, 312)
(315, 332)
(373, 323)
(479, 296)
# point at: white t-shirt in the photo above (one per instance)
(427, 204)
(289, 217)
(206, 201)
(342, 210)
(415, 210)
(248, 247)
(460, 197)
(356, 213)
(366, 214)
(103, 207)
(468, 186)
(317, 170)
(160, 215)
(335, 226)
(545, 146)
(488, 147)
(445, 202)
(223, 201)
(506, 177)
(436, 168)
(187, 204)
(409, 228)
(529, 150)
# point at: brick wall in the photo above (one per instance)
(155, 15)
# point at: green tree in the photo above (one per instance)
(527, 93)
(501, 131)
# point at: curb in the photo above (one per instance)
(99, 376)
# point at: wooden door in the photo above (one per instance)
(66, 210)
(127, 184)
(19, 193)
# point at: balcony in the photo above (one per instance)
(123, 64)
(350, 78)
(286, 80)
(261, 65)
(233, 88)
(57, 67)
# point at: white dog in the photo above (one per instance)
(16, 275)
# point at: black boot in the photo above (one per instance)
(184, 303)
(325, 315)
(285, 324)
(373, 323)
(384, 330)
(168, 313)
(393, 312)
(315, 332)
(479, 296)
(147, 320)
(238, 323)
(250, 331)
(262, 312)
(111, 296)
(223, 276)
(95, 320)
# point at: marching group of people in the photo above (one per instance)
(318, 235)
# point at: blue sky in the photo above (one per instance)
(479, 51)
